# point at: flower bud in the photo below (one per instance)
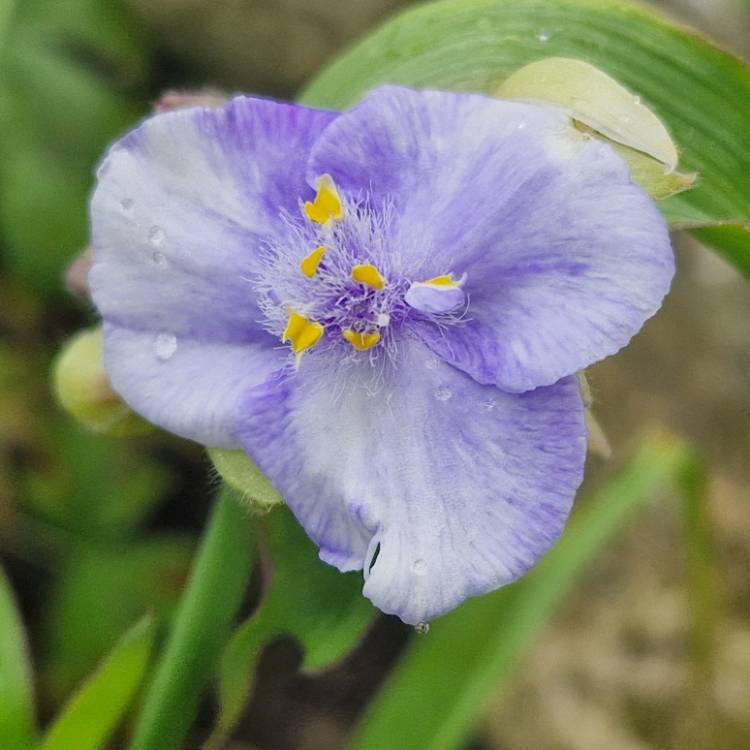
(240, 473)
(77, 274)
(171, 100)
(601, 107)
(83, 389)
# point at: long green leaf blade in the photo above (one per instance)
(208, 606)
(99, 706)
(16, 693)
(441, 687)
(699, 91)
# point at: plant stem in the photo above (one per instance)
(201, 627)
(703, 583)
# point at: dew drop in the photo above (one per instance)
(520, 126)
(156, 236)
(489, 404)
(159, 259)
(165, 345)
(127, 204)
(383, 320)
(422, 628)
(443, 393)
(419, 567)
(543, 37)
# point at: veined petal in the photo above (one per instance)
(459, 487)
(565, 256)
(194, 389)
(184, 205)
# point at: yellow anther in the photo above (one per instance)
(445, 280)
(327, 205)
(361, 341)
(368, 275)
(301, 333)
(309, 266)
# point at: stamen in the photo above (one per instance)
(441, 294)
(303, 334)
(309, 266)
(368, 275)
(327, 206)
(444, 280)
(361, 341)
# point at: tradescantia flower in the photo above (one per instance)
(386, 310)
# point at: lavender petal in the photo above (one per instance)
(459, 487)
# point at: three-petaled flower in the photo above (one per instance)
(438, 266)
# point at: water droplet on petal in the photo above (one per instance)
(419, 567)
(489, 404)
(443, 393)
(520, 126)
(422, 628)
(165, 345)
(156, 236)
(383, 320)
(159, 259)
(127, 204)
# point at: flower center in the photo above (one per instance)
(334, 282)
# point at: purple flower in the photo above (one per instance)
(439, 266)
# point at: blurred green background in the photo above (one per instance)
(652, 649)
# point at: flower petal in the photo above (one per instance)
(459, 488)
(565, 256)
(183, 207)
(191, 388)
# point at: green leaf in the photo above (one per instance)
(308, 600)
(704, 585)
(65, 69)
(731, 241)
(99, 488)
(16, 692)
(98, 708)
(98, 592)
(6, 11)
(108, 30)
(701, 93)
(442, 685)
(211, 599)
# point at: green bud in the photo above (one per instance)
(241, 473)
(83, 389)
(602, 107)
